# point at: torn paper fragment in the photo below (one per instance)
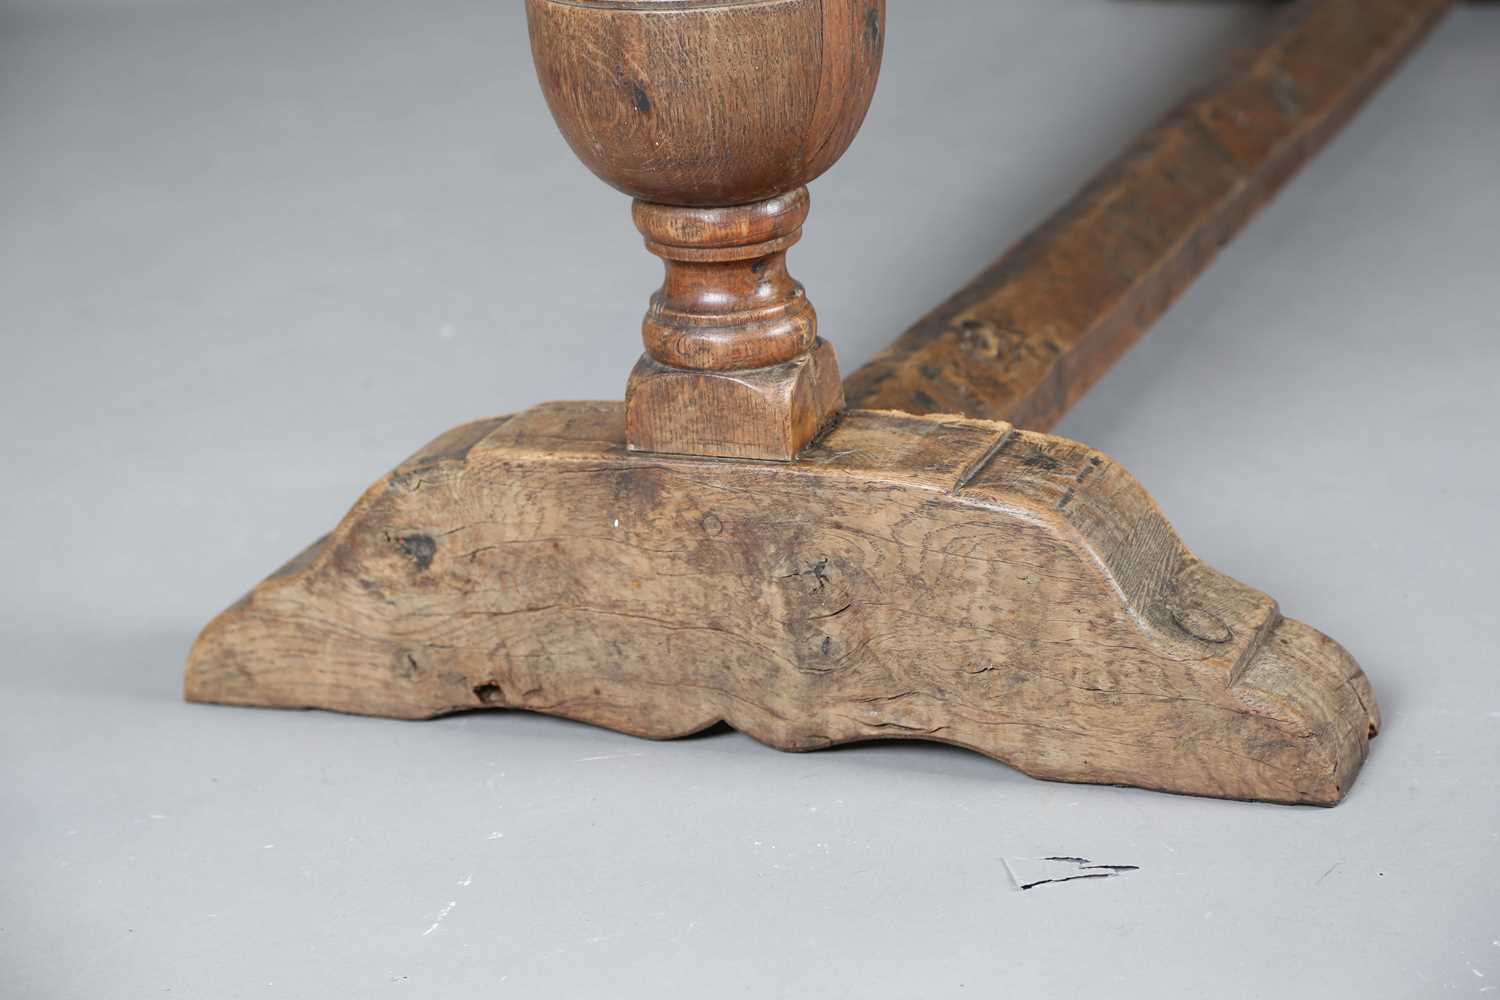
(1028, 873)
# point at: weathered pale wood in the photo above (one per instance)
(930, 577)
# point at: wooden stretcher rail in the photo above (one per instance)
(1030, 335)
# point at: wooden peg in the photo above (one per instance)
(715, 115)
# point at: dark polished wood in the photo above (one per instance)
(715, 115)
(1030, 335)
(708, 102)
(727, 303)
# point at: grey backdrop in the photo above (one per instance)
(254, 253)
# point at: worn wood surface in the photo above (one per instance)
(1028, 337)
(761, 413)
(733, 364)
(917, 577)
(715, 115)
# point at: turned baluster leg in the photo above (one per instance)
(715, 117)
(733, 363)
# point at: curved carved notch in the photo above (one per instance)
(925, 577)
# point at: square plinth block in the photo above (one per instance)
(762, 413)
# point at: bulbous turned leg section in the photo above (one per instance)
(734, 367)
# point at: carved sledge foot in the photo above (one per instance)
(906, 577)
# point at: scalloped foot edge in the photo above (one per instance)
(933, 578)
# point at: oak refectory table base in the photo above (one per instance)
(928, 577)
(733, 542)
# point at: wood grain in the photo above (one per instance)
(1030, 335)
(705, 102)
(761, 413)
(935, 578)
(715, 115)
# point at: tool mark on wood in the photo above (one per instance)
(983, 461)
(1039, 459)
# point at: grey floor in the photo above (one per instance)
(253, 253)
